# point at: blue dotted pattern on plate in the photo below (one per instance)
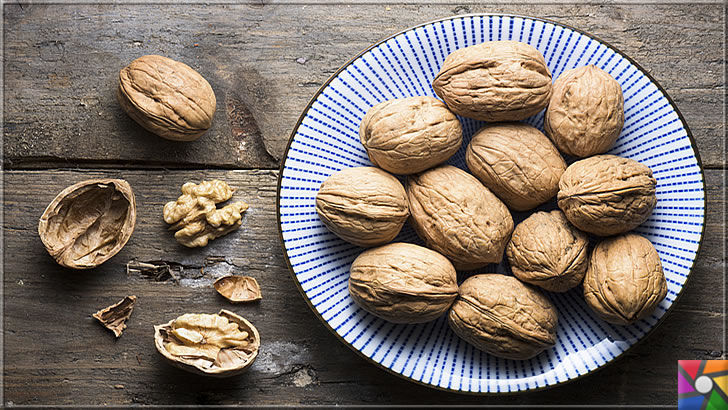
(327, 140)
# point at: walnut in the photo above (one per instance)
(89, 222)
(517, 162)
(218, 345)
(364, 205)
(403, 283)
(237, 288)
(410, 135)
(115, 316)
(495, 81)
(624, 282)
(166, 97)
(546, 251)
(586, 112)
(195, 216)
(459, 217)
(503, 316)
(607, 195)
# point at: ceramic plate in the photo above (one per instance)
(326, 140)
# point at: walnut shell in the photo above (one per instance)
(503, 316)
(495, 81)
(586, 112)
(88, 222)
(410, 135)
(546, 251)
(459, 217)
(238, 288)
(363, 205)
(517, 162)
(403, 283)
(166, 97)
(607, 195)
(624, 281)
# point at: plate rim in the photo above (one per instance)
(459, 16)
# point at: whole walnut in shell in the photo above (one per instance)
(586, 112)
(607, 195)
(459, 217)
(503, 316)
(89, 222)
(363, 205)
(546, 251)
(495, 81)
(403, 283)
(410, 135)
(166, 97)
(624, 282)
(517, 162)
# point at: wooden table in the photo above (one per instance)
(62, 124)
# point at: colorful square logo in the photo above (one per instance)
(702, 384)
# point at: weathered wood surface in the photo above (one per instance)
(265, 63)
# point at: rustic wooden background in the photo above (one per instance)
(62, 124)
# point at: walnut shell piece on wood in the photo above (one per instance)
(403, 283)
(410, 135)
(218, 345)
(495, 81)
(238, 288)
(607, 195)
(547, 251)
(115, 316)
(586, 112)
(624, 282)
(88, 222)
(503, 316)
(166, 97)
(365, 206)
(517, 162)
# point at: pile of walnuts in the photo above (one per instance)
(465, 218)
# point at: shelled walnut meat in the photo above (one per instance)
(166, 97)
(503, 316)
(410, 135)
(517, 162)
(546, 251)
(495, 81)
(459, 217)
(586, 112)
(624, 281)
(403, 283)
(607, 195)
(363, 205)
(89, 222)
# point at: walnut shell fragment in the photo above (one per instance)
(89, 222)
(625, 281)
(237, 288)
(115, 316)
(217, 345)
(166, 97)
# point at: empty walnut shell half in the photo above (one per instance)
(238, 288)
(89, 222)
(218, 345)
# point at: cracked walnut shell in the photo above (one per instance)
(403, 283)
(495, 81)
(238, 288)
(624, 282)
(89, 222)
(410, 135)
(115, 316)
(166, 97)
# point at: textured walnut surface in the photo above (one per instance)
(607, 195)
(517, 162)
(586, 111)
(238, 288)
(114, 317)
(503, 316)
(410, 135)
(495, 81)
(403, 283)
(624, 281)
(88, 222)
